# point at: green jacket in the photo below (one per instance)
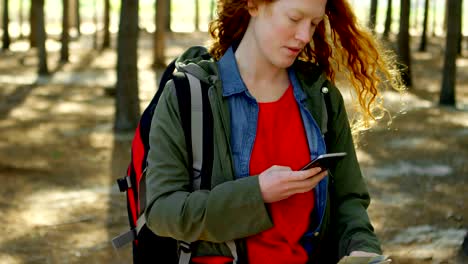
(234, 209)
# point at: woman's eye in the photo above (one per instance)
(294, 19)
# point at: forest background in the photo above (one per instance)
(65, 136)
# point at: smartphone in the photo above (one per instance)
(324, 161)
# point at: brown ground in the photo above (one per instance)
(59, 160)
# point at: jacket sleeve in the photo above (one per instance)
(351, 197)
(231, 210)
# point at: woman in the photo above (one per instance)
(270, 63)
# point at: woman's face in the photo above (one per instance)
(284, 27)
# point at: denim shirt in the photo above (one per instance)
(244, 109)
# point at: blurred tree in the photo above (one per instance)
(159, 36)
(75, 17)
(64, 51)
(197, 15)
(403, 49)
(127, 103)
(447, 93)
(20, 18)
(41, 34)
(460, 33)
(388, 20)
(6, 22)
(32, 25)
(106, 38)
(169, 16)
(423, 44)
(415, 8)
(212, 10)
(372, 15)
(95, 22)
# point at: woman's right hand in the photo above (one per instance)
(278, 182)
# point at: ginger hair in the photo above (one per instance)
(339, 45)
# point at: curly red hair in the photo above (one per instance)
(339, 42)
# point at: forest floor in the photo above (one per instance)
(59, 158)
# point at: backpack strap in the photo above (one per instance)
(197, 123)
(326, 111)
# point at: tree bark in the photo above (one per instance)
(64, 51)
(460, 34)
(33, 25)
(127, 102)
(6, 21)
(106, 38)
(372, 15)
(77, 17)
(20, 19)
(415, 14)
(41, 37)
(159, 44)
(197, 15)
(447, 93)
(423, 44)
(95, 22)
(388, 20)
(168, 14)
(404, 42)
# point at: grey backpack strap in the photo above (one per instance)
(232, 247)
(185, 253)
(196, 128)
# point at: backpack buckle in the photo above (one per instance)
(124, 183)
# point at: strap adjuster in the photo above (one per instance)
(185, 247)
(124, 183)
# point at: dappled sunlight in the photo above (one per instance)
(9, 258)
(407, 168)
(426, 241)
(55, 207)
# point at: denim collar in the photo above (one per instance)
(233, 83)
(230, 75)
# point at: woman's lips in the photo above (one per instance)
(294, 51)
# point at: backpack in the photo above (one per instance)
(197, 123)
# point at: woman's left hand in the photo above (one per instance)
(363, 254)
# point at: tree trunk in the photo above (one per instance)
(168, 14)
(64, 51)
(77, 17)
(33, 25)
(95, 22)
(41, 37)
(127, 103)
(6, 21)
(388, 20)
(106, 38)
(460, 34)
(423, 44)
(159, 45)
(197, 15)
(447, 93)
(20, 19)
(212, 9)
(404, 42)
(415, 14)
(372, 15)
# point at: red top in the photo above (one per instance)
(281, 140)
